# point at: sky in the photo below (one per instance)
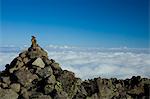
(84, 23)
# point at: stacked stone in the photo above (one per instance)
(32, 75)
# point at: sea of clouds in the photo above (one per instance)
(88, 63)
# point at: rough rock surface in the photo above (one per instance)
(39, 62)
(31, 75)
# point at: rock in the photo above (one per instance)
(61, 95)
(47, 71)
(81, 93)
(24, 93)
(25, 60)
(48, 89)
(41, 97)
(105, 88)
(8, 94)
(51, 79)
(36, 95)
(15, 65)
(33, 54)
(25, 77)
(39, 62)
(6, 80)
(4, 85)
(15, 87)
(55, 66)
(43, 53)
(23, 54)
(69, 83)
(47, 61)
(32, 75)
(58, 87)
(90, 87)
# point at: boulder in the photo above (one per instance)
(6, 80)
(35, 52)
(48, 88)
(47, 61)
(58, 87)
(8, 94)
(24, 94)
(39, 62)
(41, 97)
(61, 95)
(45, 72)
(16, 64)
(25, 77)
(26, 60)
(15, 87)
(23, 54)
(4, 85)
(55, 66)
(69, 83)
(51, 80)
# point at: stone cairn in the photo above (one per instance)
(32, 75)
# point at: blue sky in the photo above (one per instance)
(86, 23)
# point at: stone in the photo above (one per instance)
(25, 60)
(51, 79)
(55, 66)
(4, 85)
(61, 95)
(41, 97)
(39, 62)
(15, 87)
(23, 54)
(25, 77)
(15, 65)
(32, 75)
(33, 54)
(47, 71)
(6, 80)
(105, 88)
(48, 89)
(69, 83)
(8, 94)
(90, 86)
(24, 93)
(81, 93)
(58, 87)
(47, 61)
(43, 53)
(19, 58)
(38, 95)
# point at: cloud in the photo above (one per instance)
(106, 64)
(6, 58)
(89, 63)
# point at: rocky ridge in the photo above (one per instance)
(32, 75)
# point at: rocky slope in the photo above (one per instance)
(31, 75)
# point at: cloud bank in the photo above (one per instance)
(89, 63)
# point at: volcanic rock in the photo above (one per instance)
(39, 62)
(8, 94)
(32, 75)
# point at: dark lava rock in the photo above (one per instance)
(32, 75)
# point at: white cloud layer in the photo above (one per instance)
(90, 63)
